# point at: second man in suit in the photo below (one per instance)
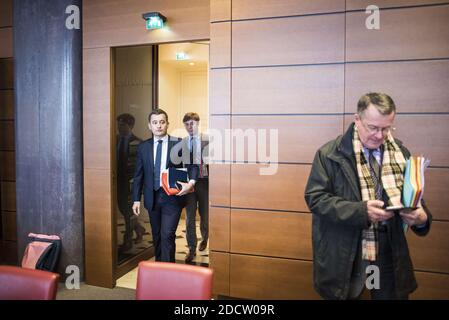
(153, 156)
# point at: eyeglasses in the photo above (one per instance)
(374, 130)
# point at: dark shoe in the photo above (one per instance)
(125, 247)
(203, 245)
(190, 256)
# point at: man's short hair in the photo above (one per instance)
(383, 103)
(127, 118)
(191, 116)
(156, 112)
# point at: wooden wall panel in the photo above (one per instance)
(220, 45)
(416, 131)
(220, 184)
(9, 226)
(220, 91)
(5, 13)
(298, 137)
(274, 234)
(436, 186)
(8, 252)
(220, 10)
(6, 104)
(249, 189)
(98, 228)
(220, 263)
(411, 33)
(396, 79)
(8, 196)
(97, 108)
(362, 4)
(270, 278)
(298, 40)
(219, 137)
(301, 89)
(430, 253)
(6, 49)
(8, 167)
(219, 227)
(109, 23)
(431, 286)
(7, 135)
(6, 72)
(246, 9)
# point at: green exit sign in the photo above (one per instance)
(155, 23)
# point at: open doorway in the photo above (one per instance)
(173, 77)
(183, 88)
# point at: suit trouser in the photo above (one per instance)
(197, 199)
(387, 286)
(164, 219)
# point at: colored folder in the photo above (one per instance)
(413, 188)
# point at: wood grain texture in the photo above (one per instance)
(362, 4)
(220, 91)
(6, 73)
(436, 186)
(410, 33)
(6, 13)
(220, 184)
(98, 228)
(8, 196)
(415, 86)
(97, 108)
(274, 234)
(430, 253)
(247, 9)
(416, 131)
(220, 10)
(220, 45)
(7, 135)
(9, 225)
(431, 286)
(219, 228)
(219, 138)
(220, 263)
(298, 137)
(8, 167)
(249, 189)
(297, 40)
(256, 277)
(112, 23)
(6, 104)
(6, 49)
(301, 89)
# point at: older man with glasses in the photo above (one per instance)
(353, 179)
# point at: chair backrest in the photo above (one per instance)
(27, 284)
(171, 281)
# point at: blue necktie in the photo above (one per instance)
(157, 167)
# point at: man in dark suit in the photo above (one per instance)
(153, 156)
(127, 144)
(197, 143)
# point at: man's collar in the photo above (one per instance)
(164, 138)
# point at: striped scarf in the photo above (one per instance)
(392, 173)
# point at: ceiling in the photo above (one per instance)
(197, 55)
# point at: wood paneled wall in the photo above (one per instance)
(108, 24)
(300, 67)
(8, 240)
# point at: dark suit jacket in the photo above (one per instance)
(143, 175)
(204, 153)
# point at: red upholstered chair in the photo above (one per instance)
(171, 281)
(27, 284)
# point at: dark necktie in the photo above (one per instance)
(157, 167)
(375, 174)
(191, 150)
